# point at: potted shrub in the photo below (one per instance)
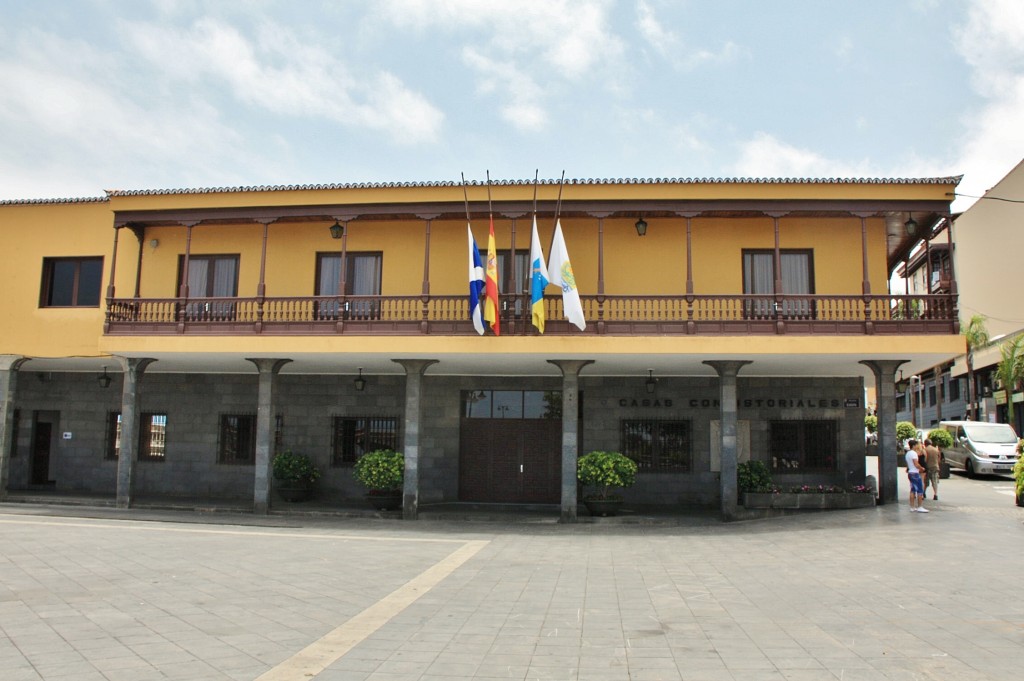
(382, 473)
(295, 475)
(605, 472)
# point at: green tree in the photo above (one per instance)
(976, 336)
(905, 430)
(871, 423)
(1010, 371)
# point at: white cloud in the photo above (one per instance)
(284, 74)
(663, 41)
(992, 42)
(523, 109)
(669, 46)
(523, 49)
(764, 156)
(66, 121)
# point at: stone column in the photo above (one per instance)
(414, 369)
(570, 369)
(133, 369)
(268, 369)
(9, 365)
(727, 372)
(885, 394)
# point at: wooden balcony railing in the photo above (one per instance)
(605, 314)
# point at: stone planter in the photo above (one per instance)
(808, 500)
(603, 507)
(385, 501)
(293, 492)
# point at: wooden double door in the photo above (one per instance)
(513, 461)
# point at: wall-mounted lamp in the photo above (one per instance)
(911, 226)
(651, 383)
(360, 382)
(153, 243)
(104, 379)
(641, 227)
(337, 230)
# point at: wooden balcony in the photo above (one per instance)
(622, 315)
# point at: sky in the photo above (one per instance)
(160, 94)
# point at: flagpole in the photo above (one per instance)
(558, 209)
(465, 196)
(558, 204)
(536, 174)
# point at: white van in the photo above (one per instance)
(982, 448)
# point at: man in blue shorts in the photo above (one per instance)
(914, 451)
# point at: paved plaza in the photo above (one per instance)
(89, 594)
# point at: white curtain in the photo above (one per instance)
(796, 278)
(364, 280)
(224, 278)
(330, 275)
(759, 275)
(198, 271)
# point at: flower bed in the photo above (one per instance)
(822, 497)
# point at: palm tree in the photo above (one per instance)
(976, 336)
(1010, 371)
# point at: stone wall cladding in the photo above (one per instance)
(308, 404)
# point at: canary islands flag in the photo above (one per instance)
(538, 279)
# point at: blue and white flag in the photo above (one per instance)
(476, 283)
(560, 274)
(538, 279)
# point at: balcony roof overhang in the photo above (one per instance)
(895, 213)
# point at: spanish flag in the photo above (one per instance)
(492, 311)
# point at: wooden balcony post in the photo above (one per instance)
(865, 286)
(425, 290)
(261, 287)
(600, 268)
(780, 324)
(691, 327)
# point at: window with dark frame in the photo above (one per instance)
(71, 282)
(797, 446)
(152, 436)
(363, 273)
(797, 277)
(513, 404)
(237, 441)
(657, 445)
(354, 436)
(210, 276)
(519, 305)
(901, 403)
(953, 393)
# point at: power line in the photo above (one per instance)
(990, 198)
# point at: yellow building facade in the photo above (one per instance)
(168, 343)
